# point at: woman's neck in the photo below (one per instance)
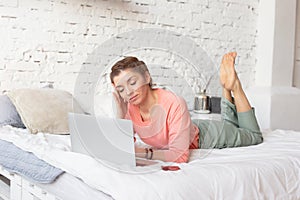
(150, 100)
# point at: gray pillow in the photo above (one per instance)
(9, 114)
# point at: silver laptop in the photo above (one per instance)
(105, 139)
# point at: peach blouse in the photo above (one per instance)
(169, 127)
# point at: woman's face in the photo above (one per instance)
(132, 86)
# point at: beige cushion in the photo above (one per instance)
(44, 110)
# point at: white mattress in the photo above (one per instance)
(270, 170)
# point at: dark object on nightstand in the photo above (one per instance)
(214, 104)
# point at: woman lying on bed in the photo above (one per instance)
(162, 120)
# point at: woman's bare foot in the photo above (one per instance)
(231, 83)
(228, 76)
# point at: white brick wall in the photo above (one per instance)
(49, 41)
(297, 55)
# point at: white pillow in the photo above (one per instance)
(44, 110)
(104, 105)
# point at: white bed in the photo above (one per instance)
(66, 187)
(270, 170)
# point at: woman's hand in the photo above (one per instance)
(139, 149)
(140, 152)
(121, 105)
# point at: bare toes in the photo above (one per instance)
(233, 54)
(228, 74)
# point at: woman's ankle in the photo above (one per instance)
(227, 94)
(237, 86)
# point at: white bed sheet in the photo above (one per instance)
(68, 187)
(270, 170)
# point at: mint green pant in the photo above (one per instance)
(234, 130)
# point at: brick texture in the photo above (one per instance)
(45, 41)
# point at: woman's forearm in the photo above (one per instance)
(157, 154)
(160, 154)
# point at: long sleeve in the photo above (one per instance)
(179, 128)
(170, 128)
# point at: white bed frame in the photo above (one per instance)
(14, 187)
